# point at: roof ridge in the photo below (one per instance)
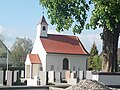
(63, 35)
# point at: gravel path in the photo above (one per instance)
(85, 84)
(88, 84)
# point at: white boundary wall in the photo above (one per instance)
(107, 78)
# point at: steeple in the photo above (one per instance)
(43, 21)
(42, 27)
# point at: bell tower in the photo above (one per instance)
(42, 28)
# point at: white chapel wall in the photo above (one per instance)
(56, 60)
(27, 62)
(27, 67)
(39, 49)
(35, 69)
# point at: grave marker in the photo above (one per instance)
(1, 78)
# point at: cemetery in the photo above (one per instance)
(55, 57)
(10, 78)
(60, 64)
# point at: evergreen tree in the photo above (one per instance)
(94, 50)
(94, 61)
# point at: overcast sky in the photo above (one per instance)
(18, 18)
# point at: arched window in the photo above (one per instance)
(44, 28)
(65, 64)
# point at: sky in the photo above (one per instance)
(19, 18)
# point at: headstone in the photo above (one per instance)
(51, 76)
(72, 81)
(88, 74)
(1, 78)
(9, 78)
(42, 77)
(15, 76)
(67, 75)
(22, 73)
(74, 74)
(31, 82)
(63, 74)
(80, 76)
(37, 80)
(58, 77)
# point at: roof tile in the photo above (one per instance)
(63, 44)
(34, 58)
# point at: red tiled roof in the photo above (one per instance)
(63, 44)
(34, 58)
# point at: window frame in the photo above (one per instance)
(65, 64)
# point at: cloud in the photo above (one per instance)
(9, 39)
(89, 38)
(52, 31)
(10, 35)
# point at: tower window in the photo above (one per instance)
(44, 28)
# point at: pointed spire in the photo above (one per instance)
(42, 27)
(43, 21)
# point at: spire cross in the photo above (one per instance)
(43, 10)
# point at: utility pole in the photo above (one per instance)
(7, 60)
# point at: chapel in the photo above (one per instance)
(53, 52)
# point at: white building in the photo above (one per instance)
(32, 65)
(56, 52)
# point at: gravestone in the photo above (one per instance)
(88, 74)
(15, 75)
(9, 78)
(72, 81)
(58, 77)
(36, 80)
(22, 73)
(63, 74)
(73, 74)
(42, 77)
(80, 76)
(67, 75)
(51, 76)
(1, 78)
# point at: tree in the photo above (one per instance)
(2, 37)
(2, 49)
(94, 60)
(20, 49)
(73, 14)
(93, 52)
(64, 13)
(97, 63)
(106, 15)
